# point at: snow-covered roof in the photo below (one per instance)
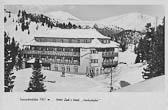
(72, 33)
(94, 44)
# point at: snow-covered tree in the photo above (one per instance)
(36, 83)
(155, 58)
(5, 19)
(9, 64)
(16, 28)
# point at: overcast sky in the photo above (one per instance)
(92, 12)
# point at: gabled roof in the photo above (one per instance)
(94, 44)
(72, 33)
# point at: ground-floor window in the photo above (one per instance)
(76, 69)
(68, 69)
(56, 68)
(63, 68)
(94, 60)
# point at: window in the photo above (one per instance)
(105, 41)
(94, 52)
(68, 69)
(70, 40)
(94, 60)
(63, 69)
(56, 68)
(76, 69)
(78, 41)
(85, 40)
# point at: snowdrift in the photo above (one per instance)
(151, 85)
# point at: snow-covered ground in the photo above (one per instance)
(129, 73)
(80, 83)
(55, 83)
(156, 84)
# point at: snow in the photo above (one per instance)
(32, 61)
(127, 57)
(61, 15)
(80, 83)
(123, 72)
(94, 44)
(133, 21)
(72, 33)
(19, 35)
(151, 85)
(69, 83)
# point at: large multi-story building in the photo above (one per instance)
(73, 51)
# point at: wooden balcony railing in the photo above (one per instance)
(109, 54)
(60, 62)
(51, 53)
(109, 63)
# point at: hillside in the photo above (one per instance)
(131, 21)
(61, 15)
(23, 26)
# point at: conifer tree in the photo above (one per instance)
(9, 14)
(16, 28)
(36, 81)
(28, 31)
(8, 74)
(20, 59)
(18, 13)
(156, 53)
(5, 19)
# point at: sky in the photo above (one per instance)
(92, 12)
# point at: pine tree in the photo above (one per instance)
(156, 62)
(22, 26)
(8, 74)
(18, 13)
(28, 31)
(37, 27)
(69, 25)
(5, 19)
(9, 14)
(36, 81)
(16, 28)
(20, 59)
(144, 49)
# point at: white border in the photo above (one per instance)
(109, 101)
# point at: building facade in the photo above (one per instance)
(76, 51)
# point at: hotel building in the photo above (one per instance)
(77, 51)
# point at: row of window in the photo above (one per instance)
(50, 57)
(63, 40)
(94, 60)
(53, 49)
(105, 41)
(67, 69)
(94, 52)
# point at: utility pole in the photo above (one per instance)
(111, 83)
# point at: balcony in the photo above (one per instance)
(109, 54)
(109, 63)
(57, 53)
(60, 61)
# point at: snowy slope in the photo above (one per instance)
(55, 83)
(133, 21)
(62, 17)
(151, 85)
(22, 36)
(131, 74)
